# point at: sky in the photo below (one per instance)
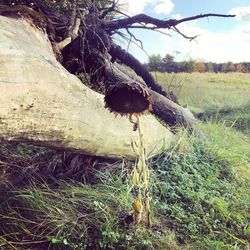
(219, 39)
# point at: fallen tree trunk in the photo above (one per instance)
(40, 102)
(99, 64)
(165, 109)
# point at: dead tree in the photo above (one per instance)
(81, 34)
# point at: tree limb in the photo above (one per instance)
(109, 9)
(163, 24)
(126, 58)
(72, 19)
(166, 110)
(72, 35)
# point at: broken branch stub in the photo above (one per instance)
(128, 98)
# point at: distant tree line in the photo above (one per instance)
(168, 64)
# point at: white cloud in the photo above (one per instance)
(211, 46)
(242, 13)
(138, 6)
(134, 7)
(164, 7)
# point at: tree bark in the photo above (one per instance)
(165, 109)
(42, 103)
(84, 36)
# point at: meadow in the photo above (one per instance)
(202, 91)
(220, 101)
(224, 97)
(199, 188)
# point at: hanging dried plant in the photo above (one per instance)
(128, 100)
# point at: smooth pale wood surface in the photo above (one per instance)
(42, 103)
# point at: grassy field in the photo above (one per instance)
(200, 189)
(214, 97)
(221, 102)
(209, 90)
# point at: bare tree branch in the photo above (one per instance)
(72, 35)
(132, 36)
(164, 24)
(108, 10)
(118, 53)
(190, 38)
(128, 40)
(73, 15)
(148, 28)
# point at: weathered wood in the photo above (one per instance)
(94, 52)
(163, 108)
(42, 103)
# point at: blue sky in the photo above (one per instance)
(220, 39)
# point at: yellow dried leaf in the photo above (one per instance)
(140, 165)
(137, 205)
(135, 177)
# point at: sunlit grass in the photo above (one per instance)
(199, 188)
(209, 90)
(220, 98)
(77, 216)
(199, 201)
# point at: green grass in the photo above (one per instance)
(201, 198)
(222, 103)
(76, 216)
(223, 97)
(209, 90)
(200, 189)
(199, 201)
